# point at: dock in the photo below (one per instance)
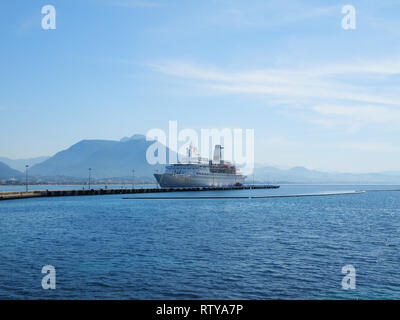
(14, 195)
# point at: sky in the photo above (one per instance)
(316, 95)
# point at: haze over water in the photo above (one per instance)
(284, 248)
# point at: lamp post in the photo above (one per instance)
(90, 170)
(26, 177)
(133, 178)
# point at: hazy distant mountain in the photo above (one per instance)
(108, 159)
(19, 164)
(304, 175)
(8, 173)
(134, 137)
(116, 159)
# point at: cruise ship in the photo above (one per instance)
(198, 172)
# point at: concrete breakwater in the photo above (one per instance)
(12, 195)
(248, 197)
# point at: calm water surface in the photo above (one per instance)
(281, 248)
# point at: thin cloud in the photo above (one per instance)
(284, 83)
(317, 92)
(380, 114)
(369, 146)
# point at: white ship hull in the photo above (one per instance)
(167, 180)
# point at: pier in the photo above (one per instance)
(13, 195)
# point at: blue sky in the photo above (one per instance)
(316, 95)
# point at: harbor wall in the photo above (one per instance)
(12, 195)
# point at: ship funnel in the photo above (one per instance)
(217, 154)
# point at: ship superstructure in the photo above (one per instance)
(200, 172)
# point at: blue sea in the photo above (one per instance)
(106, 247)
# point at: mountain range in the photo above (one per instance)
(106, 158)
(109, 159)
(304, 175)
(9, 173)
(19, 164)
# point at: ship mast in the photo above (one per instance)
(190, 150)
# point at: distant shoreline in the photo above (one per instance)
(73, 184)
(148, 183)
